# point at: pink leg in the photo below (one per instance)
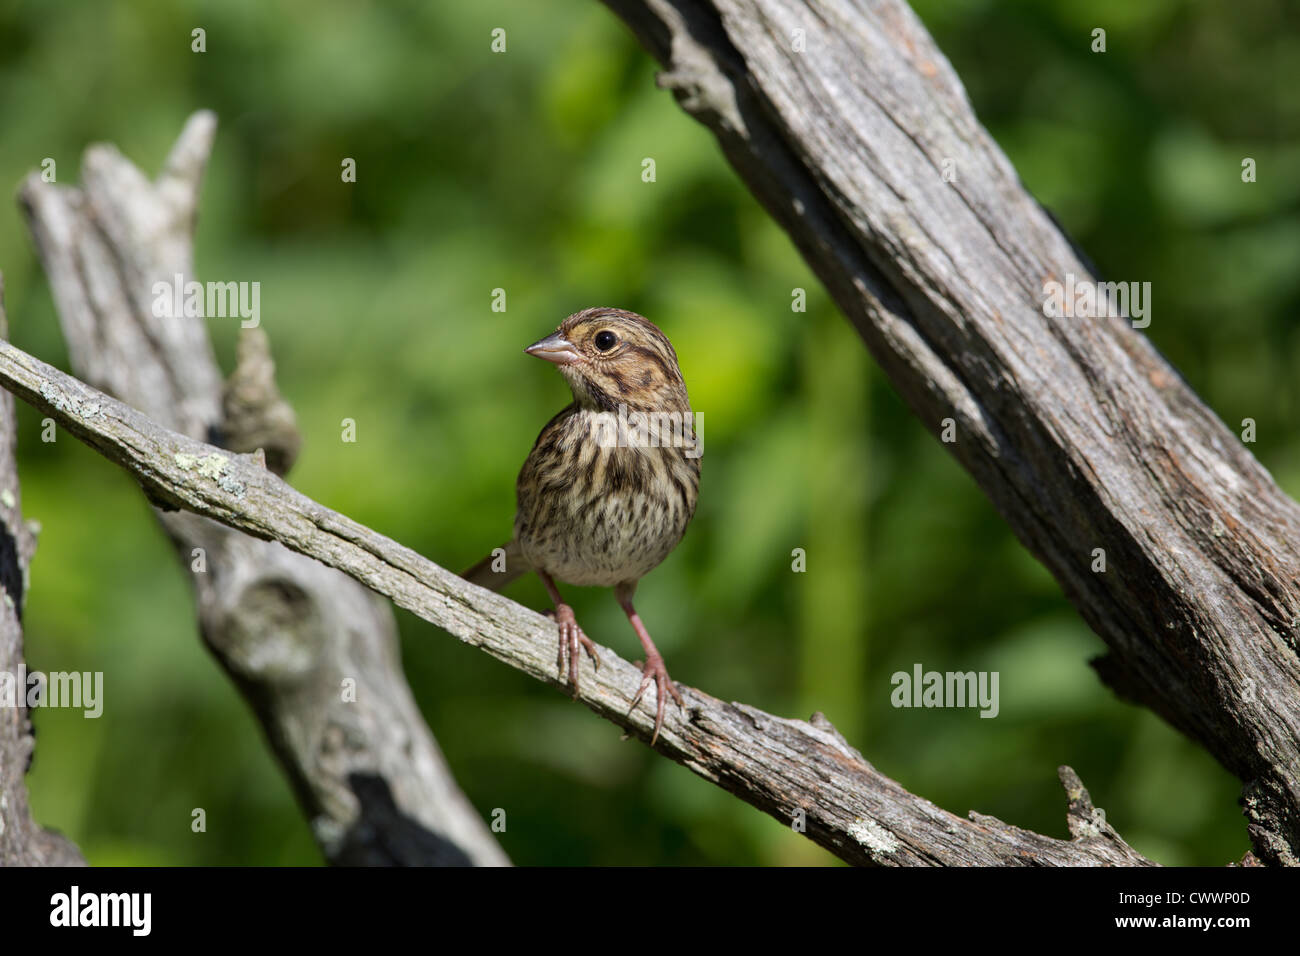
(571, 635)
(653, 669)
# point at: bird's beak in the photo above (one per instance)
(555, 348)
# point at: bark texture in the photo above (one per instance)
(843, 117)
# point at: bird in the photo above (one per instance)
(611, 482)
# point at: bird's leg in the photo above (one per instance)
(653, 669)
(570, 634)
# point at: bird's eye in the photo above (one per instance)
(606, 340)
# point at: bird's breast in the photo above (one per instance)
(594, 510)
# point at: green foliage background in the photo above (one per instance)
(522, 171)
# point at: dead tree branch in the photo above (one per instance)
(1080, 433)
(789, 768)
(367, 771)
(22, 841)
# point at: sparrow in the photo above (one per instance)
(611, 483)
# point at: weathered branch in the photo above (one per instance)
(1079, 432)
(288, 631)
(22, 841)
(794, 770)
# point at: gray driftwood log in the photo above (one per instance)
(1080, 433)
(800, 772)
(287, 630)
(22, 842)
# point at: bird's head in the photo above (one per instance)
(612, 357)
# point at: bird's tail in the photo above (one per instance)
(499, 568)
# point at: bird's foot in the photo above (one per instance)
(653, 670)
(571, 637)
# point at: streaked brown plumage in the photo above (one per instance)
(612, 480)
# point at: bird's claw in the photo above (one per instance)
(654, 670)
(571, 637)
